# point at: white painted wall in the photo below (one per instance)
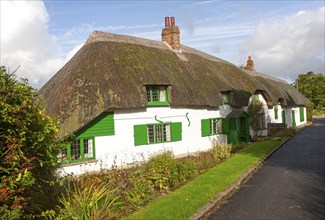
(119, 149)
(267, 115)
(297, 116)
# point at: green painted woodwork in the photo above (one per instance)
(81, 150)
(302, 114)
(293, 118)
(238, 128)
(233, 131)
(158, 104)
(140, 135)
(205, 127)
(276, 112)
(225, 125)
(176, 131)
(233, 137)
(154, 96)
(101, 126)
(283, 116)
(211, 126)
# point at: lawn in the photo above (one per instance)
(185, 201)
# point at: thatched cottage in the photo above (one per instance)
(124, 98)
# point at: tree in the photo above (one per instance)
(312, 86)
(254, 111)
(28, 150)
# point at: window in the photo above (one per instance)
(78, 150)
(157, 95)
(211, 126)
(226, 98)
(157, 133)
(276, 112)
(88, 148)
(302, 114)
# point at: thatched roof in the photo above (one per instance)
(110, 72)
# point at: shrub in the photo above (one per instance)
(28, 150)
(221, 151)
(166, 173)
(93, 202)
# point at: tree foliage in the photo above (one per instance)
(254, 110)
(28, 150)
(312, 86)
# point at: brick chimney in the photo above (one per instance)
(170, 34)
(250, 64)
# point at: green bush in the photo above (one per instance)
(28, 151)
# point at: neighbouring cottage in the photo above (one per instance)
(125, 98)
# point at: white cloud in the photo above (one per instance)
(288, 47)
(25, 41)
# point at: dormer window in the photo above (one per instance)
(226, 98)
(157, 95)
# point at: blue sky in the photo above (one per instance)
(285, 38)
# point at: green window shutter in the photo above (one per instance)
(205, 127)
(302, 115)
(140, 135)
(176, 131)
(225, 125)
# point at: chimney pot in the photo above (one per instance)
(172, 21)
(167, 24)
(250, 64)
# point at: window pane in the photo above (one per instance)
(155, 94)
(162, 97)
(213, 126)
(151, 138)
(75, 150)
(148, 94)
(88, 148)
(166, 132)
(159, 133)
(219, 125)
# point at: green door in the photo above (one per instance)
(293, 119)
(233, 131)
(244, 129)
(283, 116)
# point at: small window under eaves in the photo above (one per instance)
(157, 95)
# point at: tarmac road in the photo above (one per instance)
(289, 185)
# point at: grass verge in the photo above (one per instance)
(185, 201)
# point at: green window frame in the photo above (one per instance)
(211, 126)
(157, 133)
(157, 96)
(302, 114)
(81, 149)
(276, 115)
